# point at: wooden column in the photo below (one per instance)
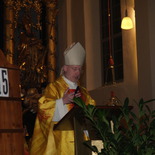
(51, 12)
(9, 30)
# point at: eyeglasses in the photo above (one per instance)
(76, 69)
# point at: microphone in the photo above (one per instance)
(77, 89)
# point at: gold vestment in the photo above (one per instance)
(45, 141)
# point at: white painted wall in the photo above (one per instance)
(151, 10)
(145, 10)
(92, 44)
(129, 87)
(138, 51)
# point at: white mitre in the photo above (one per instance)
(74, 54)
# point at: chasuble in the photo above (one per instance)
(45, 140)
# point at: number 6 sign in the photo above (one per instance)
(4, 83)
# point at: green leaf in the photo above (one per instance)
(91, 110)
(136, 136)
(148, 101)
(79, 102)
(134, 116)
(148, 109)
(141, 104)
(126, 103)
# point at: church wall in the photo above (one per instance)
(138, 50)
(93, 44)
(129, 86)
(138, 57)
(145, 11)
(152, 45)
(73, 18)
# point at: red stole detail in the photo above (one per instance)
(71, 105)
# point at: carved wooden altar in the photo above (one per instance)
(12, 9)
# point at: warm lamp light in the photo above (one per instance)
(126, 23)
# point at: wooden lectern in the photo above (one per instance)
(11, 128)
(74, 120)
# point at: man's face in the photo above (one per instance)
(72, 72)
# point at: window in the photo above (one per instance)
(111, 41)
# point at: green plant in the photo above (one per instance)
(131, 134)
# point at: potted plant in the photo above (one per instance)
(130, 134)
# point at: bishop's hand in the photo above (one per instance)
(68, 96)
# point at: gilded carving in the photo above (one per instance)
(36, 60)
(37, 63)
(31, 58)
(52, 11)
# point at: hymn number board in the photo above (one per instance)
(4, 83)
